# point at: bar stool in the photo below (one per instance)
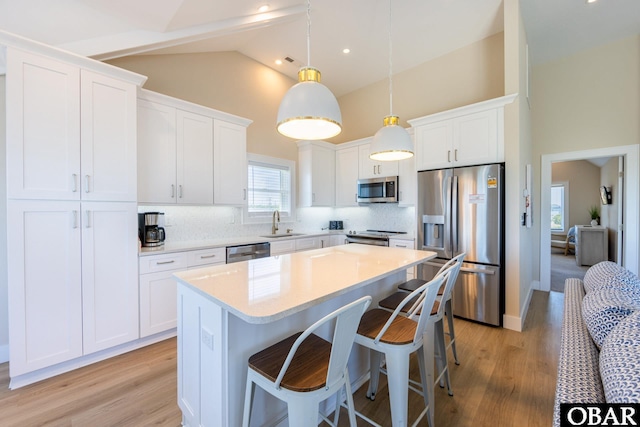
(396, 337)
(304, 369)
(436, 317)
(413, 284)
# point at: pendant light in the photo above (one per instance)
(309, 110)
(392, 141)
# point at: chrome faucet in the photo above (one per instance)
(274, 227)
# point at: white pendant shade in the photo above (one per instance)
(309, 111)
(391, 142)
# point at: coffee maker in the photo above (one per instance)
(149, 229)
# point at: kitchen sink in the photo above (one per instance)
(282, 235)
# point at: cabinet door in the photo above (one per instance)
(156, 153)
(43, 128)
(108, 138)
(229, 164)
(434, 143)
(338, 240)
(347, 177)
(307, 243)
(475, 138)
(44, 276)
(283, 247)
(158, 304)
(109, 274)
(317, 175)
(374, 169)
(194, 158)
(408, 180)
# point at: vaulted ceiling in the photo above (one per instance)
(421, 30)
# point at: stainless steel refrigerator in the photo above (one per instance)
(462, 210)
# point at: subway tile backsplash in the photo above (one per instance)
(192, 223)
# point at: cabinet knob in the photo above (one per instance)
(448, 155)
(455, 155)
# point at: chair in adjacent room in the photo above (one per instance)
(570, 243)
(396, 337)
(305, 369)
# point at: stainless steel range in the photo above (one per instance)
(372, 237)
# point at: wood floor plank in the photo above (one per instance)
(505, 378)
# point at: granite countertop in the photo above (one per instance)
(268, 289)
(171, 247)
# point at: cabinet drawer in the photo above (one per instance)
(155, 263)
(206, 257)
(401, 243)
(283, 247)
(307, 244)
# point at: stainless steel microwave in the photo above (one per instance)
(378, 190)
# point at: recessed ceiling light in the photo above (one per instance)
(591, 1)
(278, 61)
(263, 8)
(346, 50)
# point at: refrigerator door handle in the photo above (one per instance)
(453, 218)
(447, 218)
(478, 270)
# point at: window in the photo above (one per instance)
(270, 188)
(559, 207)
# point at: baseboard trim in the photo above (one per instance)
(4, 353)
(517, 323)
(61, 368)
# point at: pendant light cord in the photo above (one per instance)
(390, 66)
(308, 33)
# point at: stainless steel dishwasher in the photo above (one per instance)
(247, 252)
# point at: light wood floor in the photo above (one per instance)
(505, 378)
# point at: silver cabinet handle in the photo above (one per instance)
(400, 246)
(455, 154)
(244, 194)
(88, 219)
(86, 183)
(74, 177)
(355, 197)
(374, 169)
(165, 262)
(75, 219)
(180, 191)
(378, 169)
(207, 256)
(448, 155)
(173, 191)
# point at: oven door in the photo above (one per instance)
(367, 241)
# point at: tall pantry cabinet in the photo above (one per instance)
(71, 207)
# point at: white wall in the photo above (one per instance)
(4, 306)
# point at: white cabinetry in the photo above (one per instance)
(338, 239)
(408, 181)
(189, 154)
(347, 176)
(282, 247)
(69, 132)
(307, 243)
(71, 167)
(465, 136)
(158, 286)
(372, 168)
(407, 244)
(230, 163)
(317, 173)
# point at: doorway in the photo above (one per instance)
(629, 210)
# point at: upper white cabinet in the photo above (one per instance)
(465, 136)
(317, 173)
(189, 154)
(368, 168)
(71, 133)
(347, 176)
(229, 163)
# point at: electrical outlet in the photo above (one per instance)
(207, 338)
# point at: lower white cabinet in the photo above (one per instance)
(72, 280)
(338, 239)
(407, 244)
(283, 247)
(307, 243)
(158, 286)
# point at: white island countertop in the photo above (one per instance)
(268, 289)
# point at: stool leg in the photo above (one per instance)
(248, 400)
(350, 405)
(398, 381)
(443, 368)
(375, 357)
(426, 378)
(452, 334)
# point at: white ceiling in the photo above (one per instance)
(422, 29)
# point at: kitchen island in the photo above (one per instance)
(228, 312)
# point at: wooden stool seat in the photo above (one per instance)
(411, 285)
(401, 331)
(392, 301)
(308, 369)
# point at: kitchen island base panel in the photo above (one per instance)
(214, 347)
